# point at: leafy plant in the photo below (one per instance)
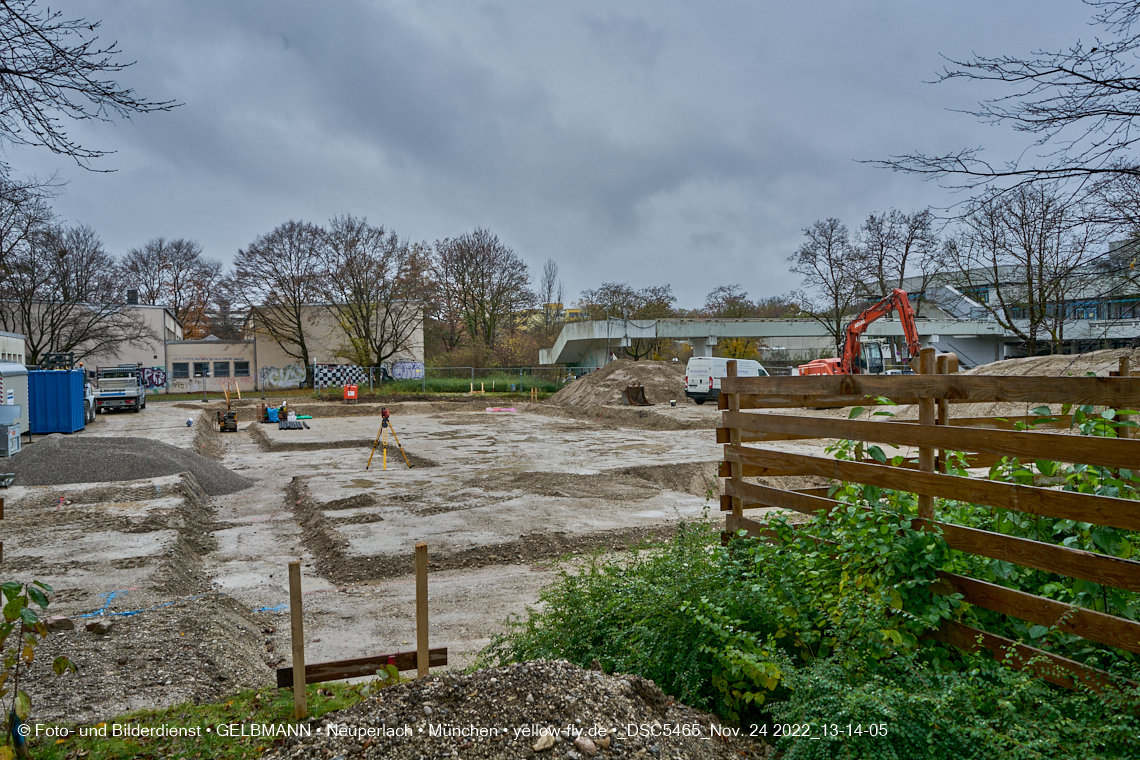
(20, 633)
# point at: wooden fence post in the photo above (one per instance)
(1125, 371)
(300, 706)
(422, 658)
(735, 469)
(926, 416)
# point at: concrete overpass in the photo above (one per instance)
(590, 343)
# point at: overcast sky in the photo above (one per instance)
(651, 143)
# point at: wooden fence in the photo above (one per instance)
(935, 389)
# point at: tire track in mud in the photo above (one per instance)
(329, 550)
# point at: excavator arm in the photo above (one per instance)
(896, 301)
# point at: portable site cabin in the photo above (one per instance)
(14, 390)
(13, 406)
(56, 401)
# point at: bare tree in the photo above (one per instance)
(1078, 104)
(828, 265)
(276, 277)
(376, 285)
(484, 283)
(174, 274)
(1023, 256)
(225, 315)
(552, 293)
(60, 292)
(615, 300)
(729, 302)
(51, 67)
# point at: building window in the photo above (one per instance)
(241, 369)
(221, 369)
(201, 369)
(181, 370)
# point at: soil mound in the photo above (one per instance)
(532, 709)
(1062, 365)
(663, 381)
(58, 459)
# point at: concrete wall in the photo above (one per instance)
(327, 344)
(11, 347)
(217, 354)
(151, 353)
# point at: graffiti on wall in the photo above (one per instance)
(154, 377)
(281, 377)
(407, 370)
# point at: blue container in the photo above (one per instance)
(55, 401)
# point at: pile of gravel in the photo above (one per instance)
(59, 459)
(537, 709)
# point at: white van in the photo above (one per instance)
(703, 375)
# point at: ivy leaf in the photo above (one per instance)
(1037, 631)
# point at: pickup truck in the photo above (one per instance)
(119, 387)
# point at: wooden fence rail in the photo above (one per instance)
(934, 390)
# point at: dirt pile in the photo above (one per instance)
(663, 381)
(1063, 365)
(58, 459)
(535, 709)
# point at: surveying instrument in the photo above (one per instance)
(382, 441)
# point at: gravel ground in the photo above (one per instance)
(537, 709)
(59, 459)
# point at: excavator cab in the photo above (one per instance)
(871, 363)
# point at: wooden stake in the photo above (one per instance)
(300, 706)
(1125, 371)
(926, 362)
(735, 469)
(421, 610)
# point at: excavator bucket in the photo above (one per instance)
(634, 395)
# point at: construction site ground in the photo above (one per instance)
(191, 574)
(195, 586)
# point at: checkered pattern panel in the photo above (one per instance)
(328, 375)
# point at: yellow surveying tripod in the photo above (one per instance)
(382, 440)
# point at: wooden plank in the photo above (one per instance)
(1065, 505)
(1118, 392)
(724, 435)
(422, 663)
(297, 632)
(1053, 668)
(1051, 558)
(1125, 369)
(1079, 621)
(360, 667)
(1105, 452)
(765, 496)
(754, 529)
(752, 471)
(1060, 422)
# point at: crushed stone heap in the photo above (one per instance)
(583, 713)
(59, 459)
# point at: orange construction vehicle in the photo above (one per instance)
(851, 360)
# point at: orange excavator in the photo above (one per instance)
(852, 361)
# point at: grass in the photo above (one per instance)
(246, 708)
(499, 385)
